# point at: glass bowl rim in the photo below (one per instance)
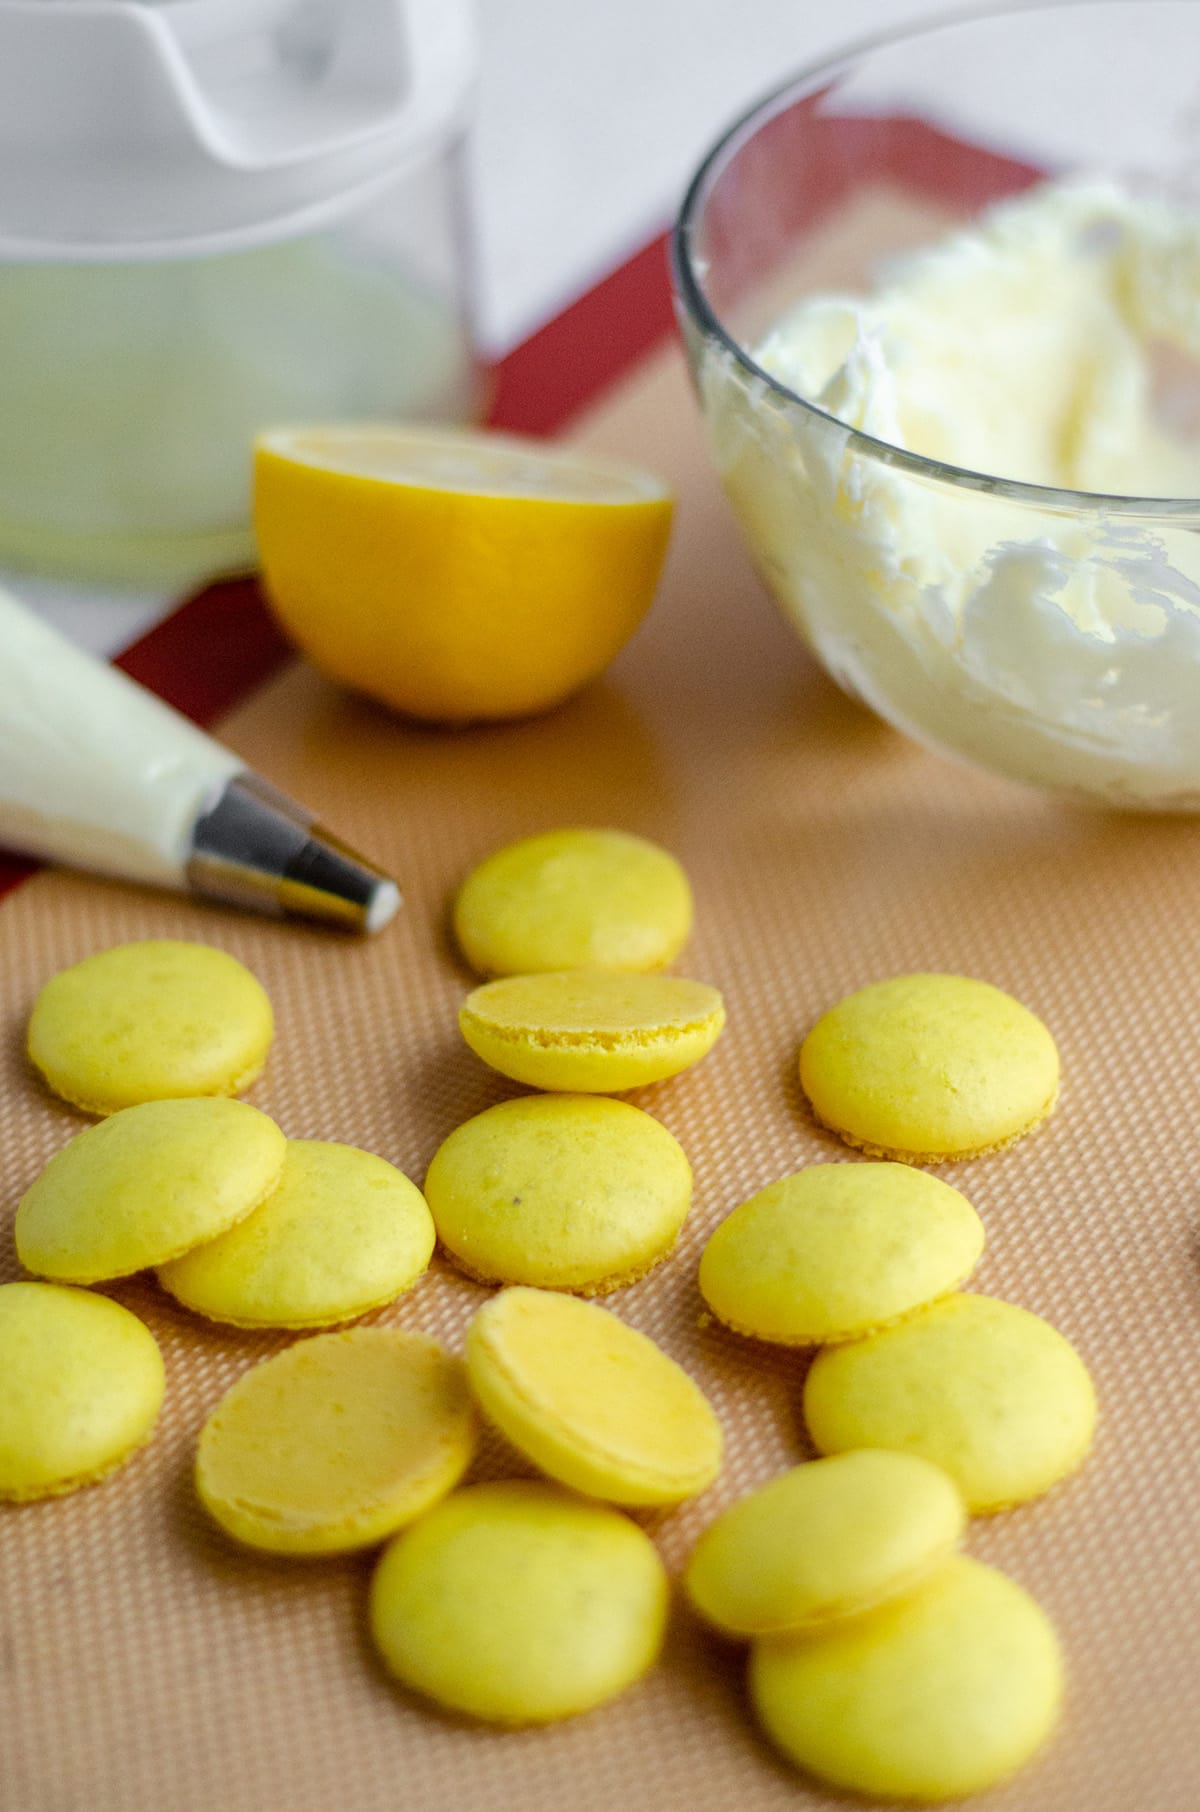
(689, 288)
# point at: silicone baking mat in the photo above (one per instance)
(148, 1666)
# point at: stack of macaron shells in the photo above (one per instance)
(575, 926)
(882, 1660)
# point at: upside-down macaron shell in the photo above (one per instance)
(589, 1031)
(591, 1401)
(336, 1442)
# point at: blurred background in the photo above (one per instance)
(277, 268)
(584, 128)
(592, 117)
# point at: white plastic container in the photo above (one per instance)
(216, 215)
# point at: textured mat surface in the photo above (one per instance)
(146, 1666)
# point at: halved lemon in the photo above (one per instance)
(455, 575)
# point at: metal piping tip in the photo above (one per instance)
(257, 848)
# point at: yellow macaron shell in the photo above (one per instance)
(583, 1029)
(150, 1021)
(518, 1603)
(992, 1394)
(838, 1250)
(574, 899)
(929, 1067)
(941, 1693)
(343, 1232)
(590, 1401)
(824, 1541)
(563, 1192)
(144, 1186)
(336, 1442)
(81, 1385)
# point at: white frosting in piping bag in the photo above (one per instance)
(96, 772)
(1054, 342)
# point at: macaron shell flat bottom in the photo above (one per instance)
(591, 1401)
(336, 1442)
(588, 1031)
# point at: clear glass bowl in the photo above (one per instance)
(1049, 635)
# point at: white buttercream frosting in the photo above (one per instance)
(1054, 342)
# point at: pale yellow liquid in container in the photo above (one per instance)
(130, 395)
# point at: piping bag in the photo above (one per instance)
(97, 773)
